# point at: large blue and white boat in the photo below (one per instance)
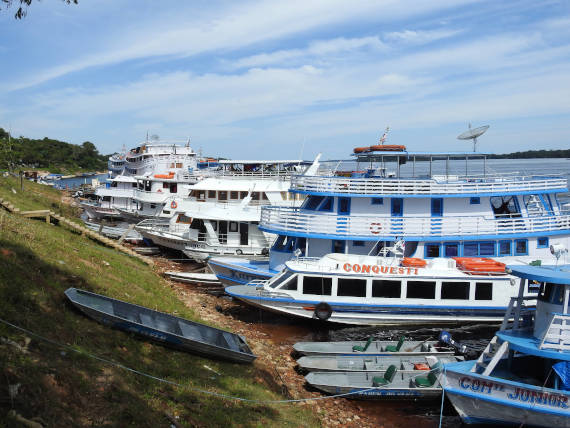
(438, 210)
(523, 376)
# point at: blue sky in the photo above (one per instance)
(270, 79)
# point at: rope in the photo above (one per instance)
(169, 382)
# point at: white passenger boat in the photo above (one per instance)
(523, 376)
(221, 214)
(439, 210)
(370, 290)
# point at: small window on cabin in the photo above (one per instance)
(455, 290)
(264, 196)
(233, 226)
(212, 194)
(421, 290)
(387, 289)
(313, 202)
(114, 184)
(451, 250)
(173, 188)
(470, 250)
(147, 186)
(521, 247)
(201, 195)
(183, 219)
(327, 205)
(542, 242)
(377, 201)
(242, 195)
(255, 196)
(178, 165)
(351, 287)
(134, 185)
(152, 206)
(487, 249)
(475, 200)
(293, 196)
(358, 243)
(165, 185)
(484, 291)
(432, 250)
(280, 279)
(214, 225)
(106, 198)
(222, 195)
(234, 195)
(290, 285)
(318, 285)
(551, 293)
(344, 205)
(505, 248)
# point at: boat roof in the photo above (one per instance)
(262, 162)
(374, 156)
(550, 273)
(244, 184)
(124, 178)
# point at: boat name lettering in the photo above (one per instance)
(520, 394)
(377, 269)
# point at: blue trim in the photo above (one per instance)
(421, 238)
(542, 273)
(435, 195)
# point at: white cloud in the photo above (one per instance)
(419, 37)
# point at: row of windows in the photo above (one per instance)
(517, 247)
(224, 195)
(389, 289)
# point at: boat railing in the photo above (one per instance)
(525, 314)
(157, 225)
(288, 219)
(557, 335)
(226, 240)
(413, 186)
(260, 283)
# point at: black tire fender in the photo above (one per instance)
(323, 311)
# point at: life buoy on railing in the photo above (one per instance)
(375, 228)
(173, 205)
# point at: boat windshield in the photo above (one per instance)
(551, 293)
(282, 278)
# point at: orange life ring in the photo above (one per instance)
(375, 228)
(413, 262)
(173, 205)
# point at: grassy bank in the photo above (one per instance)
(38, 262)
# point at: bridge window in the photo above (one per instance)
(482, 249)
(455, 290)
(234, 194)
(317, 285)
(327, 204)
(282, 278)
(351, 287)
(377, 201)
(313, 202)
(233, 226)
(505, 248)
(521, 247)
(484, 291)
(358, 243)
(542, 242)
(387, 289)
(212, 194)
(223, 195)
(450, 250)
(432, 250)
(421, 290)
(475, 200)
(344, 206)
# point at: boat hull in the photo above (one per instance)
(234, 271)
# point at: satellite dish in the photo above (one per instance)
(472, 134)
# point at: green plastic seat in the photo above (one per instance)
(358, 348)
(387, 378)
(392, 348)
(426, 382)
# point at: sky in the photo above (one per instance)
(287, 80)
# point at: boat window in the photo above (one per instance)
(264, 196)
(134, 185)
(542, 242)
(114, 184)
(234, 195)
(344, 206)
(233, 226)
(183, 219)
(152, 206)
(214, 225)
(505, 248)
(165, 185)
(281, 278)
(106, 198)
(505, 206)
(421, 290)
(475, 200)
(173, 188)
(242, 195)
(483, 249)
(222, 195)
(521, 247)
(470, 250)
(284, 244)
(255, 196)
(327, 204)
(197, 224)
(450, 250)
(455, 290)
(351, 287)
(431, 250)
(487, 249)
(313, 202)
(551, 293)
(284, 196)
(337, 247)
(377, 201)
(484, 291)
(178, 165)
(386, 288)
(147, 185)
(211, 194)
(436, 207)
(358, 243)
(317, 285)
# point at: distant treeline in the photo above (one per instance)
(52, 155)
(529, 154)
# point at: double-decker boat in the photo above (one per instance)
(437, 210)
(523, 376)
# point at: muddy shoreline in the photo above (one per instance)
(271, 338)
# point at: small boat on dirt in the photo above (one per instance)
(174, 331)
(193, 277)
(390, 383)
(373, 347)
(419, 363)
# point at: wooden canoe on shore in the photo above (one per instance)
(178, 332)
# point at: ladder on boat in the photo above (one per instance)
(490, 357)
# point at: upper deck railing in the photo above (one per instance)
(440, 186)
(307, 223)
(557, 336)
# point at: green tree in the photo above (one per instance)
(24, 4)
